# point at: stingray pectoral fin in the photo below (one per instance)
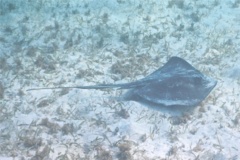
(173, 66)
(163, 95)
(177, 91)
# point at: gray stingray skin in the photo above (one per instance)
(177, 83)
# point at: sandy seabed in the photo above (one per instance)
(69, 43)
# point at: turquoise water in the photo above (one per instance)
(49, 43)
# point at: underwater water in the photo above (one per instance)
(48, 43)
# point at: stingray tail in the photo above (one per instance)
(101, 86)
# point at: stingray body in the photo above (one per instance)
(177, 83)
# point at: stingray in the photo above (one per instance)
(177, 83)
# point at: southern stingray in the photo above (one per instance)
(176, 84)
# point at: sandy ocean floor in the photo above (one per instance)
(47, 43)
